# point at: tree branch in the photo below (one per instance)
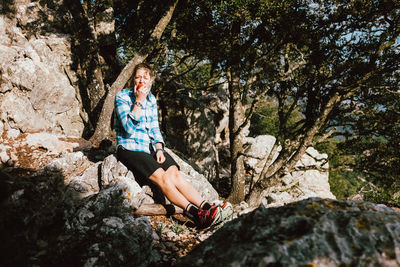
(103, 125)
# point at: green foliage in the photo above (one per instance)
(337, 59)
(266, 120)
(344, 184)
(160, 229)
(337, 156)
(134, 22)
(372, 137)
(385, 196)
(176, 227)
(303, 55)
(363, 166)
(96, 7)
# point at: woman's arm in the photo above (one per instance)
(125, 113)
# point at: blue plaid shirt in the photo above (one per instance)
(134, 132)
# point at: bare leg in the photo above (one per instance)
(159, 177)
(184, 187)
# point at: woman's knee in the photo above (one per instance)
(159, 177)
(174, 175)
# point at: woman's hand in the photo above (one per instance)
(141, 92)
(160, 156)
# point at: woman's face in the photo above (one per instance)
(143, 77)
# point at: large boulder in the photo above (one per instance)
(36, 91)
(41, 228)
(34, 150)
(103, 231)
(308, 179)
(110, 170)
(312, 232)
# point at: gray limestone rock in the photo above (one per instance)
(36, 93)
(83, 185)
(69, 164)
(196, 126)
(309, 178)
(102, 231)
(312, 232)
(84, 178)
(112, 169)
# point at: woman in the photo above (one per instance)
(141, 149)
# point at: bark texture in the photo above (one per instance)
(236, 119)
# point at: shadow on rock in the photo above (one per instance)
(31, 216)
(44, 224)
(311, 232)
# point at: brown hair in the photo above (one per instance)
(142, 65)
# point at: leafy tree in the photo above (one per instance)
(346, 55)
(315, 59)
(265, 120)
(372, 138)
(311, 56)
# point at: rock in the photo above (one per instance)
(97, 176)
(257, 148)
(313, 159)
(296, 186)
(309, 178)
(1, 128)
(171, 235)
(111, 169)
(36, 93)
(14, 113)
(34, 150)
(83, 185)
(69, 164)
(50, 142)
(312, 232)
(4, 157)
(103, 232)
(83, 178)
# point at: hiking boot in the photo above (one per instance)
(226, 212)
(209, 217)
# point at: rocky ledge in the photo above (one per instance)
(312, 232)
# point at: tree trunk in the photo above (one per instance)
(85, 51)
(103, 127)
(236, 119)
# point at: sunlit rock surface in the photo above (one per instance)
(36, 92)
(308, 179)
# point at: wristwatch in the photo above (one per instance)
(139, 104)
